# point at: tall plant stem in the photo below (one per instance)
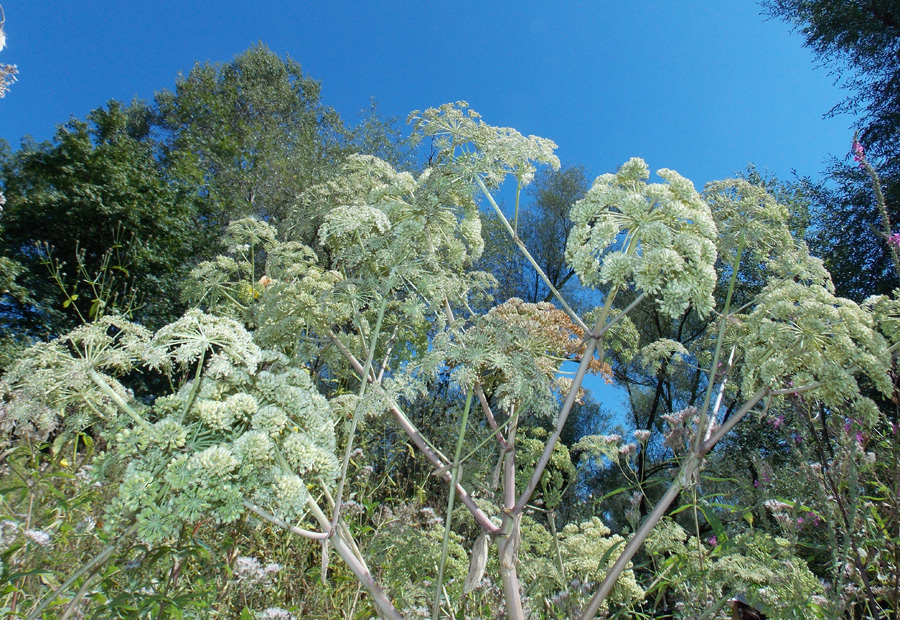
(436, 608)
(508, 543)
(357, 566)
(357, 412)
(265, 516)
(686, 475)
(515, 237)
(882, 211)
(592, 340)
(714, 365)
(442, 469)
(195, 388)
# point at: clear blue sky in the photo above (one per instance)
(700, 87)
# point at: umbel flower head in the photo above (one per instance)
(659, 238)
(800, 334)
(515, 351)
(248, 424)
(481, 149)
(54, 379)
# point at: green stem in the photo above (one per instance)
(482, 444)
(516, 212)
(101, 383)
(435, 610)
(357, 412)
(265, 516)
(551, 517)
(593, 341)
(195, 388)
(97, 560)
(714, 366)
(527, 254)
(882, 210)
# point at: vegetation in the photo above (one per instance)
(369, 397)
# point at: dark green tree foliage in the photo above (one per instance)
(383, 137)
(251, 134)
(858, 40)
(845, 234)
(95, 188)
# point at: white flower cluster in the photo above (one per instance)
(250, 570)
(660, 238)
(582, 544)
(248, 425)
(8, 533)
(654, 354)
(54, 378)
(275, 613)
(39, 537)
(800, 334)
(479, 148)
(197, 336)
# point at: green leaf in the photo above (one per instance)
(713, 519)
(609, 552)
(615, 492)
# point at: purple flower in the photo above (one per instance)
(859, 154)
(859, 437)
(778, 421)
(713, 541)
(756, 483)
(894, 240)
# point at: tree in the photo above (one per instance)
(250, 135)
(861, 38)
(96, 191)
(543, 225)
(859, 41)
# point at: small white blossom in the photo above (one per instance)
(38, 536)
(275, 613)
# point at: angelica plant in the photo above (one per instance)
(246, 433)
(380, 308)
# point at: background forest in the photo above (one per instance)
(249, 348)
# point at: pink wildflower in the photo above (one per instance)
(713, 541)
(859, 154)
(894, 240)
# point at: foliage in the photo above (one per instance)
(862, 39)
(94, 190)
(249, 135)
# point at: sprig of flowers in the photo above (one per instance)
(659, 238)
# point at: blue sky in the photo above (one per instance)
(700, 87)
